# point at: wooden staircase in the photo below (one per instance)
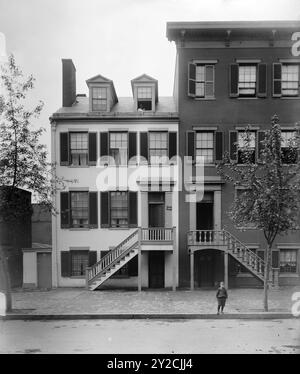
(224, 240)
(112, 262)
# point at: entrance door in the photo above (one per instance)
(205, 216)
(206, 268)
(44, 270)
(156, 208)
(156, 269)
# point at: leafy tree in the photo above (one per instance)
(23, 159)
(270, 189)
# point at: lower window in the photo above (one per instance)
(288, 261)
(79, 262)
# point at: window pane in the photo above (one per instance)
(205, 146)
(119, 208)
(209, 73)
(290, 80)
(200, 89)
(158, 147)
(144, 92)
(79, 209)
(79, 148)
(99, 98)
(118, 147)
(247, 79)
(79, 260)
(288, 260)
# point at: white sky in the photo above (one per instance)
(119, 39)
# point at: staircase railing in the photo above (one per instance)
(112, 256)
(157, 234)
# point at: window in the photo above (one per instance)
(79, 262)
(158, 147)
(288, 260)
(99, 98)
(246, 147)
(290, 80)
(79, 209)
(247, 80)
(205, 146)
(78, 148)
(118, 209)
(288, 147)
(118, 147)
(205, 81)
(144, 98)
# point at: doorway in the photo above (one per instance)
(205, 216)
(44, 270)
(156, 261)
(156, 209)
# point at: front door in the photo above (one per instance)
(44, 270)
(156, 269)
(156, 208)
(205, 217)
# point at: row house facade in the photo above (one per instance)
(230, 75)
(114, 230)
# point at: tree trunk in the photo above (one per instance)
(7, 280)
(268, 251)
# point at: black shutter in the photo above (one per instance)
(233, 145)
(93, 209)
(275, 259)
(234, 80)
(260, 137)
(172, 144)
(144, 145)
(190, 144)
(64, 210)
(262, 80)
(103, 144)
(276, 80)
(133, 207)
(64, 148)
(92, 257)
(133, 267)
(104, 208)
(219, 145)
(132, 151)
(65, 259)
(192, 80)
(92, 148)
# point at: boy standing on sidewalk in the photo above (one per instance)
(221, 297)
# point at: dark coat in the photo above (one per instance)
(222, 292)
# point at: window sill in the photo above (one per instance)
(204, 98)
(79, 229)
(79, 166)
(288, 275)
(120, 228)
(249, 98)
(289, 97)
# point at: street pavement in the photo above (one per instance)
(68, 301)
(150, 336)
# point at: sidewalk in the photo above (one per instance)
(79, 303)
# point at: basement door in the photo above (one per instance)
(44, 270)
(156, 270)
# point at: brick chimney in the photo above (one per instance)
(68, 82)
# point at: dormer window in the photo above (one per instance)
(144, 98)
(99, 98)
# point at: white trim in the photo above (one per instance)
(248, 61)
(241, 128)
(205, 61)
(205, 128)
(288, 246)
(75, 189)
(289, 60)
(79, 248)
(73, 129)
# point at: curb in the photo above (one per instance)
(43, 317)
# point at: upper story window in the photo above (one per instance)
(285, 79)
(118, 147)
(247, 80)
(99, 98)
(205, 146)
(144, 98)
(246, 147)
(119, 208)
(288, 147)
(79, 209)
(158, 147)
(78, 148)
(201, 80)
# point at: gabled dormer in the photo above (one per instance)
(102, 94)
(145, 92)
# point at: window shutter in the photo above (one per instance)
(260, 137)
(132, 152)
(190, 144)
(92, 257)
(65, 259)
(64, 210)
(275, 259)
(133, 267)
(104, 208)
(64, 148)
(219, 146)
(192, 80)
(92, 148)
(277, 80)
(144, 145)
(262, 80)
(233, 145)
(234, 80)
(172, 144)
(133, 205)
(103, 144)
(93, 209)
